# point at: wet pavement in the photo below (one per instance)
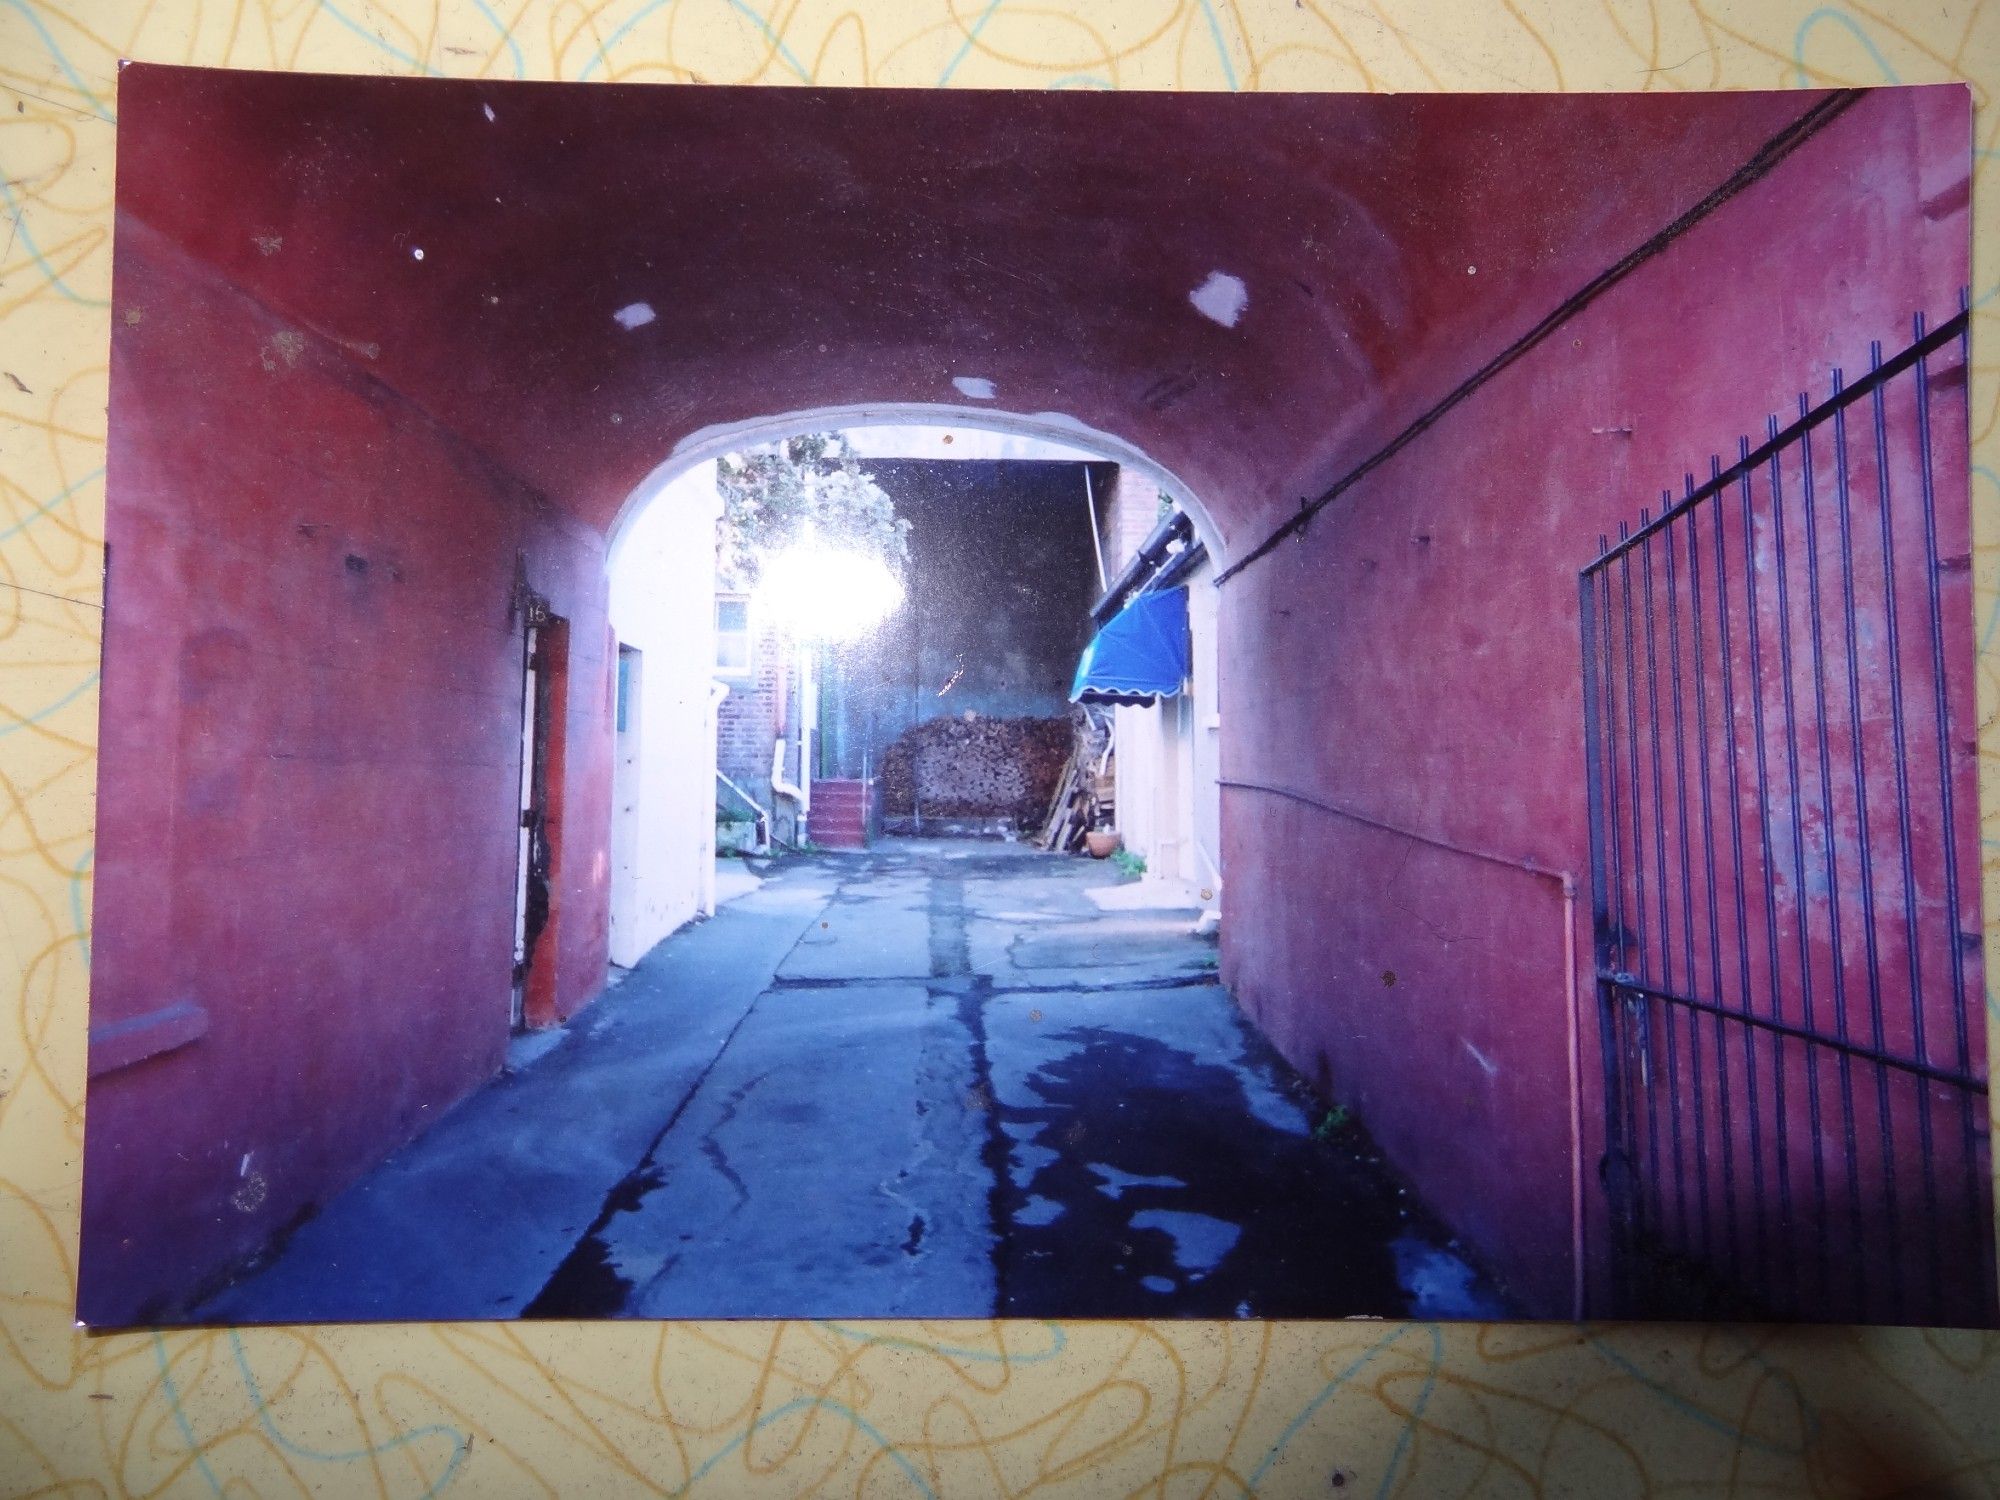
(932, 1080)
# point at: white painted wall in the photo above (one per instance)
(1205, 735)
(663, 789)
(1136, 734)
(1155, 802)
(1169, 801)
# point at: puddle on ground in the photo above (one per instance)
(586, 1284)
(1200, 1242)
(1441, 1283)
(1117, 1183)
(1037, 1212)
(1189, 1200)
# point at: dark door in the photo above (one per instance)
(541, 760)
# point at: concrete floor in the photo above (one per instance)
(933, 1080)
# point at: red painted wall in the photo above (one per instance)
(1387, 244)
(310, 732)
(1413, 658)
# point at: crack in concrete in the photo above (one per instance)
(712, 1148)
(585, 1284)
(951, 966)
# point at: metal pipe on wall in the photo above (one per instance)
(1096, 540)
(1571, 993)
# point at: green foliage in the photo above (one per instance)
(1130, 865)
(1332, 1123)
(809, 486)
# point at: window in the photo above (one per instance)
(627, 687)
(733, 643)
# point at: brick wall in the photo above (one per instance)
(1127, 517)
(749, 719)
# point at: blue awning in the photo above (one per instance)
(1140, 655)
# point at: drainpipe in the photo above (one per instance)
(1175, 527)
(705, 860)
(1214, 869)
(799, 792)
(1096, 542)
(808, 727)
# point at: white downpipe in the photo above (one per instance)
(799, 792)
(1214, 881)
(705, 870)
(1096, 541)
(808, 723)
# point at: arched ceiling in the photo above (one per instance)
(816, 248)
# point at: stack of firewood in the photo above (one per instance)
(970, 766)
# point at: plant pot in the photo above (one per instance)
(1102, 841)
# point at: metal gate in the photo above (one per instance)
(1778, 688)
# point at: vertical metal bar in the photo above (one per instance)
(1982, 1216)
(1627, 1186)
(1961, 1041)
(1593, 753)
(1863, 842)
(1628, 1189)
(1700, 676)
(1667, 552)
(1602, 763)
(1639, 884)
(1780, 1117)
(1613, 818)
(1738, 874)
(1798, 855)
(1660, 870)
(1843, 1062)
(1913, 949)
(1632, 755)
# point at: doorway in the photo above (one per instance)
(544, 695)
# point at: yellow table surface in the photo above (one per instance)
(965, 1408)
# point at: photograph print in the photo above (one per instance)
(805, 703)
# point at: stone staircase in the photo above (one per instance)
(843, 815)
